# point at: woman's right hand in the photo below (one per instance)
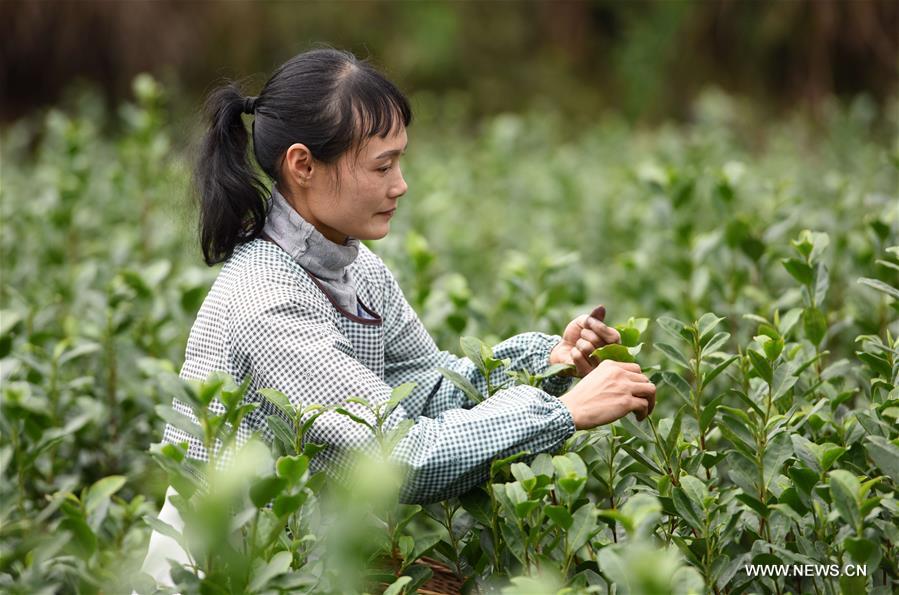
(611, 391)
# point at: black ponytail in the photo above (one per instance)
(324, 98)
(231, 195)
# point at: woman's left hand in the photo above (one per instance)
(582, 335)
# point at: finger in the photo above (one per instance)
(629, 366)
(586, 348)
(643, 389)
(599, 312)
(581, 364)
(647, 391)
(635, 376)
(640, 407)
(607, 333)
(589, 335)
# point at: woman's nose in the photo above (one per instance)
(399, 188)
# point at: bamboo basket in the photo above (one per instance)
(443, 582)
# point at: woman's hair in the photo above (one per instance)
(326, 99)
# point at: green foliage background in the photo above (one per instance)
(518, 222)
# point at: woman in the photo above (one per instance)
(303, 307)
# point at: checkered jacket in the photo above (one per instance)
(268, 318)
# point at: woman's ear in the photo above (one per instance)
(298, 164)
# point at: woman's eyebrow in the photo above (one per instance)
(392, 153)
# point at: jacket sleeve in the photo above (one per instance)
(293, 345)
(412, 356)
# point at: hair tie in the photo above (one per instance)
(249, 105)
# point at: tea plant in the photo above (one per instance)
(770, 276)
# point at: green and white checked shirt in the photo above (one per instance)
(268, 318)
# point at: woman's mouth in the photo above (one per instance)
(388, 213)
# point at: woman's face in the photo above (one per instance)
(362, 202)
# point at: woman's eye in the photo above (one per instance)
(384, 169)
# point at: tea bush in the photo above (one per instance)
(752, 268)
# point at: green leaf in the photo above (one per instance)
(571, 485)
(286, 504)
(861, 550)
(397, 395)
(696, 490)
(673, 354)
(632, 429)
(398, 585)
(474, 348)
(523, 509)
(815, 325)
(686, 509)
(614, 352)
(281, 431)
(771, 347)
(279, 564)
(477, 503)
(555, 369)
(885, 455)
(805, 479)
(345, 412)
(709, 411)
(799, 270)
(424, 544)
(880, 286)
(822, 282)
(753, 503)
(100, 492)
(525, 476)
(844, 490)
(232, 394)
(807, 451)
(676, 328)
(406, 545)
(777, 452)
(714, 343)
(498, 464)
(463, 384)
(164, 528)
(180, 421)
(569, 465)
(263, 491)
(641, 458)
(681, 386)
(760, 365)
(559, 515)
(831, 455)
(79, 351)
(583, 527)
(8, 321)
(279, 400)
(644, 511)
(674, 432)
(706, 325)
(629, 335)
(292, 468)
(85, 539)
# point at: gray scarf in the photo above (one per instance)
(327, 261)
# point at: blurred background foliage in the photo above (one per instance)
(647, 59)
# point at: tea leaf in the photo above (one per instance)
(673, 354)
(463, 384)
(279, 564)
(583, 527)
(844, 489)
(885, 455)
(880, 286)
